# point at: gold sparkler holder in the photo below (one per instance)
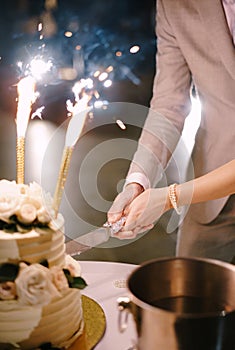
(20, 155)
(65, 163)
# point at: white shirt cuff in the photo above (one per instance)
(139, 178)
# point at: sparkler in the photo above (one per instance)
(79, 112)
(26, 96)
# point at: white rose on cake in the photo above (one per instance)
(34, 285)
(38, 196)
(9, 199)
(42, 202)
(27, 206)
(27, 213)
(43, 216)
(9, 205)
(9, 188)
(59, 279)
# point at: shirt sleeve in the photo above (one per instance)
(169, 106)
(139, 178)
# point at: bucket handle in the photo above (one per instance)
(124, 307)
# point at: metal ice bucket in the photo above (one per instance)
(181, 304)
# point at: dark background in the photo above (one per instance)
(99, 27)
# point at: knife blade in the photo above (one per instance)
(94, 238)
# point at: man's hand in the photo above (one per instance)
(144, 211)
(123, 200)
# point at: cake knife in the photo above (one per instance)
(94, 238)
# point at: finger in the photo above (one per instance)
(142, 229)
(122, 201)
(131, 222)
(113, 217)
(148, 227)
(125, 235)
(117, 210)
(127, 209)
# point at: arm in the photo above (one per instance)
(152, 203)
(170, 105)
(216, 184)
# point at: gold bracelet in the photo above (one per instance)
(173, 198)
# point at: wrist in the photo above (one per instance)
(168, 202)
(173, 198)
(135, 187)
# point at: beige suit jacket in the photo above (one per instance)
(193, 42)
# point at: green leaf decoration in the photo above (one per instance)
(16, 226)
(13, 218)
(67, 273)
(43, 225)
(48, 346)
(78, 282)
(22, 228)
(9, 228)
(44, 262)
(4, 346)
(75, 282)
(8, 272)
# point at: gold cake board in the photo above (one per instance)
(95, 324)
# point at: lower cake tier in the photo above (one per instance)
(27, 327)
(33, 247)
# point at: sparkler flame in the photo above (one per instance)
(77, 121)
(79, 112)
(38, 113)
(26, 97)
(38, 67)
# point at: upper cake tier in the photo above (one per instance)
(29, 230)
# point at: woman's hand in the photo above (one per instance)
(144, 211)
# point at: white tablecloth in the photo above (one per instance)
(106, 282)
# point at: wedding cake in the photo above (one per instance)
(40, 300)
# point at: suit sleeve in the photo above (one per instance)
(170, 104)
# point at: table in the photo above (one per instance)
(106, 282)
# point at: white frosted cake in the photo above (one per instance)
(40, 300)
